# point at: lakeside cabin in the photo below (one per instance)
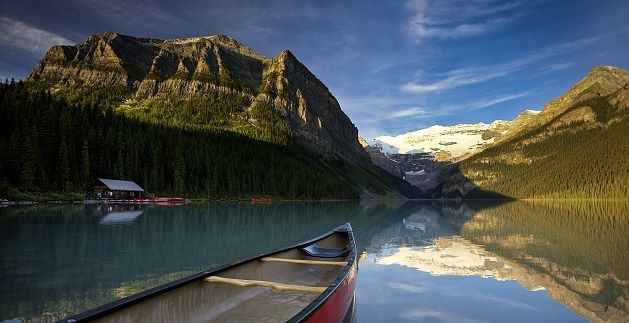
(114, 189)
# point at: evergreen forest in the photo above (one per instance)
(576, 160)
(63, 142)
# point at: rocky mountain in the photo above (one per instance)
(200, 116)
(575, 148)
(146, 70)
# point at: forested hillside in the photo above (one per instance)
(201, 116)
(62, 142)
(580, 151)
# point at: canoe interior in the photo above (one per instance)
(203, 301)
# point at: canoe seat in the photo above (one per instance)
(315, 251)
(265, 283)
(306, 261)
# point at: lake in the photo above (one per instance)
(422, 261)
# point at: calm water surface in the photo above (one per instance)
(423, 262)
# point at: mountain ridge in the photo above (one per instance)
(148, 69)
(205, 116)
(575, 148)
(572, 148)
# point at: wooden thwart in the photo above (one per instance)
(305, 261)
(264, 283)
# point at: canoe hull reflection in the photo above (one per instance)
(312, 281)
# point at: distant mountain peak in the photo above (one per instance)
(453, 141)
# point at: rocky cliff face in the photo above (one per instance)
(312, 111)
(147, 68)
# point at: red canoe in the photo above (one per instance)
(312, 281)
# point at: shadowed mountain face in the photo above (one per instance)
(204, 116)
(148, 72)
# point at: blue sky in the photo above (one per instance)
(394, 66)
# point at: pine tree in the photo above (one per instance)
(63, 166)
(119, 171)
(27, 175)
(180, 171)
(85, 164)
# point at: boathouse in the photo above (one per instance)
(106, 189)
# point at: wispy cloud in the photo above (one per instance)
(377, 109)
(405, 113)
(489, 102)
(409, 288)
(473, 75)
(558, 67)
(456, 19)
(504, 301)
(26, 37)
(482, 103)
(376, 114)
(455, 78)
(433, 315)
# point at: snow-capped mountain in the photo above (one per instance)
(420, 157)
(452, 141)
(449, 142)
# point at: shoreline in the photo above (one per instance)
(24, 203)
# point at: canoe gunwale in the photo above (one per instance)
(111, 307)
(305, 313)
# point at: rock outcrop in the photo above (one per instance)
(146, 68)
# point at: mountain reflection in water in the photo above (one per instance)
(425, 262)
(577, 253)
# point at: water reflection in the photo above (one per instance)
(429, 262)
(119, 214)
(61, 260)
(578, 251)
(575, 254)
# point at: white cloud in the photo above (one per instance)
(409, 288)
(504, 301)
(455, 79)
(445, 110)
(558, 67)
(405, 113)
(456, 19)
(32, 39)
(473, 75)
(374, 114)
(486, 103)
(433, 315)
